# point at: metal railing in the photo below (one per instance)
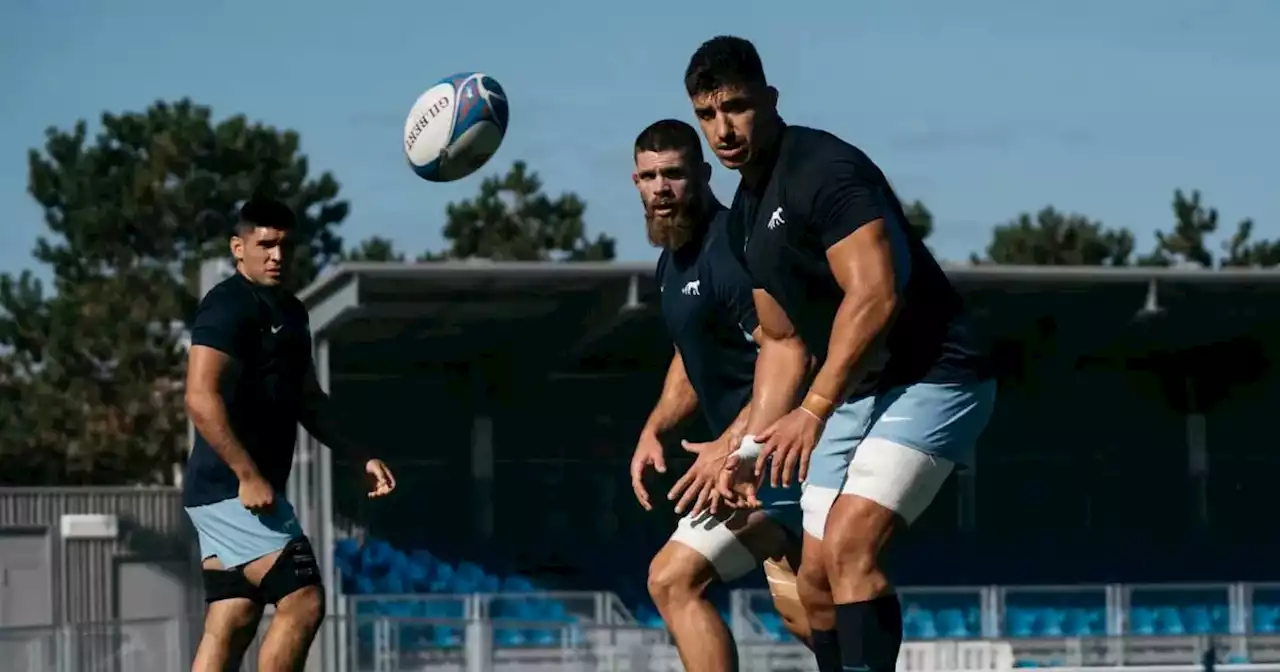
(596, 631)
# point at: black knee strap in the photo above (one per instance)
(228, 584)
(296, 568)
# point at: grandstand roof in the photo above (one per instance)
(389, 287)
(389, 306)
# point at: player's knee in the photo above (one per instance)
(303, 607)
(231, 617)
(812, 587)
(856, 530)
(677, 574)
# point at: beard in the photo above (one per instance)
(672, 231)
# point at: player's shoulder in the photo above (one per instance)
(810, 153)
(233, 292)
(290, 302)
(718, 255)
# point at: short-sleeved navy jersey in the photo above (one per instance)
(267, 332)
(820, 190)
(709, 314)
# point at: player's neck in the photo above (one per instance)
(249, 279)
(756, 173)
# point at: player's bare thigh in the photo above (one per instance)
(230, 626)
(726, 547)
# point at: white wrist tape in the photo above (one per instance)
(750, 449)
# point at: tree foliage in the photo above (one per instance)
(919, 218)
(374, 248)
(91, 380)
(1188, 241)
(512, 220)
(1053, 238)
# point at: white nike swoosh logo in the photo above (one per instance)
(276, 330)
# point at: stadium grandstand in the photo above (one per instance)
(1120, 513)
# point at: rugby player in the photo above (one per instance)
(708, 312)
(902, 391)
(250, 382)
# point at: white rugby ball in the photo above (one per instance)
(455, 126)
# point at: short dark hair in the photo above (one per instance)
(265, 212)
(668, 134)
(723, 61)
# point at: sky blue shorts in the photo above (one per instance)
(236, 536)
(896, 448)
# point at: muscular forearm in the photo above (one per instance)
(732, 436)
(209, 414)
(678, 401)
(858, 326)
(781, 368)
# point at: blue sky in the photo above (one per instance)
(982, 109)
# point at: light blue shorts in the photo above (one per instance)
(235, 535)
(895, 448)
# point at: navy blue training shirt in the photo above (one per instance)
(820, 190)
(266, 331)
(710, 316)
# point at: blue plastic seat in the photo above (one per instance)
(374, 555)
(1265, 617)
(973, 620)
(390, 584)
(508, 637)
(1051, 621)
(446, 637)
(1169, 621)
(441, 578)
(1197, 620)
(918, 623)
(1220, 618)
(347, 550)
(1077, 623)
(542, 637)
(1142, 621)
(950, 623)
(1020, 622)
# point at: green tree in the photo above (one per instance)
(91, 381)
(374, 248)
(1053, 238)
(919, 218)
(512, 220)
(1188, 241)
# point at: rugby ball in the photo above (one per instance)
(455, 126)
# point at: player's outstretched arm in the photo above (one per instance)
(677, 402)
(781, 366)
(862, 264)
(324, 422)
(781, 369)
(854, 218)
(208, 370)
